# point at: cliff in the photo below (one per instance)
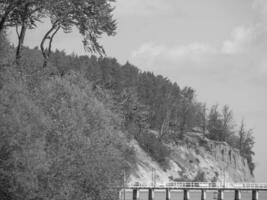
(197, 159)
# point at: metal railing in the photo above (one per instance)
(201, 185)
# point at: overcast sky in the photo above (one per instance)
(219, 47)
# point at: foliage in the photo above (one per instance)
(157, 150)
(91, 18)
(20, 13)
(61, 127)
(145, 101)
(246, 143)
(220, 124)
(200, 177)
(215, 124)
(221, 128)
(6, 8)
(5, 50)
(58, 140)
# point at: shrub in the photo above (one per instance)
(157, 150)
(57, 140)
(200, 177)
(5, 49)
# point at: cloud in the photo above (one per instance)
(241, 37)
(251, 38)
(144, 8)
(247, 39)
(261, 7)
(243, 53)
(150, 52)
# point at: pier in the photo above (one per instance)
(186, 187)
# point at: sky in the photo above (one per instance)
(218, 47)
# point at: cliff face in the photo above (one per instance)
(197, 159)
(236, 166)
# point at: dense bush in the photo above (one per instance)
(157, 150)
(57, 141)
(200, 177)
(5, 49)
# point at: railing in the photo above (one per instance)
(201, 185)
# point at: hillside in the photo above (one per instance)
(69, 130)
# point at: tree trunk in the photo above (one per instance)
(20, 42)
(2, 22)
(164, 126)
(46, 52)
(22, 34)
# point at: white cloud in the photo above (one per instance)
(144, 7)
(261, 7)
(241, 37)
(150, 52)
(249, 39)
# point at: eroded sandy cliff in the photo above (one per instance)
(196, 159)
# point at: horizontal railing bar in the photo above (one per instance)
(204, 185)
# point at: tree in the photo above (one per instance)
(203, 118)
(134, 114)
(5, 49)
(247, 149)
(57, 142)
(241, 134)
(200, 177)
(91, 18)
(227, 123)
(164, 130)
(185, 110)
(6, 7)
(26, 16)
(200, 117)
(246, 144)
(20, 13)
(215, 124)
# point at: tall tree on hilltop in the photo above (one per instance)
(6, 8)
(241, 134)
(165, 124)
(91, 18)
(227, 123)
(203, 117)
(129, 74)
(246, 140)
(185, 110)
(246, 144)
(134, 114)
(22, 14)
(215, 124)
(26, 16)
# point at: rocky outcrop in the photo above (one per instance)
(231, 157)
(214, 161)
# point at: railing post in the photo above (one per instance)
(135, 194)
(150, 194)
(203, 195)
(120, 195)
(186, 195)
(237, 195)
(168, 194)
(255, 195)
(220, 195)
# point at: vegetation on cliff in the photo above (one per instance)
(64, 128)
